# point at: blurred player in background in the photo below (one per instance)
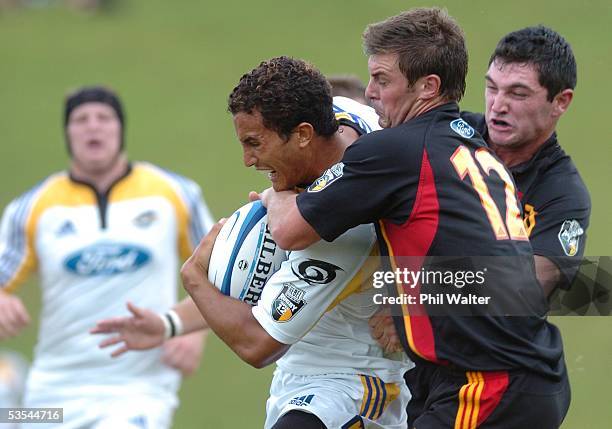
(104, 232)
(313, 311)
(13, 373)
(348, 85)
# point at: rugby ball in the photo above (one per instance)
(244, 255)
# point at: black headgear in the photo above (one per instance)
(94, 94)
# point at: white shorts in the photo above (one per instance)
(123, 410)
(339, 400)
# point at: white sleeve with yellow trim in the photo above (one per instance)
(310, 281)
(17, 256)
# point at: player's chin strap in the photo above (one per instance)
(173, 324)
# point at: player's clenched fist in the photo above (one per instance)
(383, 331)
(13, 315)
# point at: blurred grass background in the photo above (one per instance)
(174, 63)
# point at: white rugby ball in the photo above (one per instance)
(244, 255)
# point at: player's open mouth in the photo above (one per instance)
(499, 124)
(270, 173)
(94, 143)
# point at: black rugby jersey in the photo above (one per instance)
(436, 193)
(555, 200)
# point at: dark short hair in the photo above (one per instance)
(547, 50)
(347, 85)
(287, 92)
(427, 41)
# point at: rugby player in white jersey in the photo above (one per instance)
(330, 372)
(104, 232)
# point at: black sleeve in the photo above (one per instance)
(559, 230)
(377, 178)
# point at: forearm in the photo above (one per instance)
(287, 225)
(190, 316)
(233, 322)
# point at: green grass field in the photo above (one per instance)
(174, 63)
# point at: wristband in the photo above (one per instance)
(167, 326)
(175, 322)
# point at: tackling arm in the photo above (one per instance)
(287, 225)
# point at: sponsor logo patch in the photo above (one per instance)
(330, 176)
(288, 303)
(302, 401)
(569, 236)
(104, 259)
(462, 128)
(315, 272)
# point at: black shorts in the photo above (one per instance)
(487, 400)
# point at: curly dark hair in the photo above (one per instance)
(287, 92)
(547, 50)
(427, 41)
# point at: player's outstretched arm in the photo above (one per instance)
(287, 225)
(184, 352)
(231, 319)
(146, 329)
(143, 330)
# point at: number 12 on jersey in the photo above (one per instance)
(464, 163)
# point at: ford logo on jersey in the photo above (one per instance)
(462, 128)
(105, 259)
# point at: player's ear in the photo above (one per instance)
(305, 133)
(430, 86)
(562, 101)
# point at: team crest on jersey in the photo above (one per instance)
(330, 176)
(569, 236)
(462, 128)
(145, 219)
(315, 272)
(288, 303)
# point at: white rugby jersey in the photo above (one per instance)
(93, 255)
(321, 298)
(320, 301)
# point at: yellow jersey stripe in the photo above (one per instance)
(479, 388)
(366, 395)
